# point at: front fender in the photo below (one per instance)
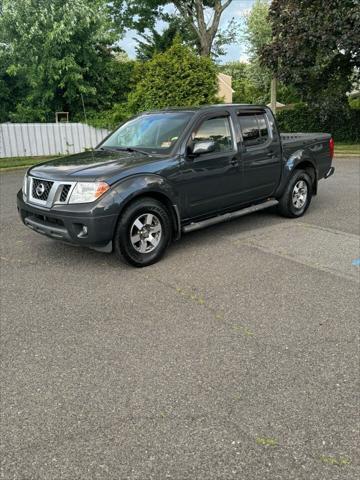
(127, 189)
(136, 185)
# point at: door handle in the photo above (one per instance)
(234, 161)
(270, 154)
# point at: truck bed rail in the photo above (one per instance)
(301, 137)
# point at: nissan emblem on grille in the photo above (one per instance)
(40, 189)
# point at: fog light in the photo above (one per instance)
(83, 232)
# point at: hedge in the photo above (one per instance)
(344, 126)
(175, 78)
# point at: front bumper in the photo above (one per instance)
(80, 228)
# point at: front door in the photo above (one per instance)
(212, 181)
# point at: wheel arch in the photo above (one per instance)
(297, 161)
(310, 169)
(161, 197)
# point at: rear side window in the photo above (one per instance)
(264, 133)
(254, 129)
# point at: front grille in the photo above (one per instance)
(41, 189)
(64, 192)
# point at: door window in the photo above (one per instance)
(254, 129)
(218, 130)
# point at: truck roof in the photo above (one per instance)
(206, 108)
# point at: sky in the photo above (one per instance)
(237, 9)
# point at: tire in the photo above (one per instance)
(143, 232)
(297, 196)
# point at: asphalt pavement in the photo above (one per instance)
(235, 357)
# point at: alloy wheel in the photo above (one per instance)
(145, 233)
(300, 193)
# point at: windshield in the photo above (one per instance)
(155, 132)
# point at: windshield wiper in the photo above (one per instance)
(132, 150)
(124, 149)
(108, 149)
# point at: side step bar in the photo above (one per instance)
(228, 216)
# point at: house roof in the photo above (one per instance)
(278, 104)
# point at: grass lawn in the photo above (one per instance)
(17, 162)
(347, 148)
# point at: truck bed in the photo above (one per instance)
(301, 138)
(316, 145)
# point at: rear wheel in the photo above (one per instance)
(143, 232)
(297, 196)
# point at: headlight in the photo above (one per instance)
(85, 192)
(24, 185)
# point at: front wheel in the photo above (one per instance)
(297, 196)
(143, 232)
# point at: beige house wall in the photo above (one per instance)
(225, 91)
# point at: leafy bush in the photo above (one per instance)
(109, 118)
(177, 77)
(355, 103)
(343, 124)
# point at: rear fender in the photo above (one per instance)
(299, 160)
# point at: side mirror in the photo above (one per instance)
(205, 146)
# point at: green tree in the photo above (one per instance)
(177, 77)
(156, 42)
(201, 16)
(258, 34)
(149, 44)
(244, 90)
(258, 28)
(113, 83)
(315, 47)
(59, 50)
(11, 88)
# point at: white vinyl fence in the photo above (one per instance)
(37, 139)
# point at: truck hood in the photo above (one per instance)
(92, 165)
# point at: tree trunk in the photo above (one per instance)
(193, 11)
(205, 46)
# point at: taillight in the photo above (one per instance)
(332, 146)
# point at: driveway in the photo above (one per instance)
(235, 357)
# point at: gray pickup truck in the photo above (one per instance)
(169, 172)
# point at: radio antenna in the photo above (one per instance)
(84, 110)
(83, 105)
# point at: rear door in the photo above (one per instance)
(260, 154)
